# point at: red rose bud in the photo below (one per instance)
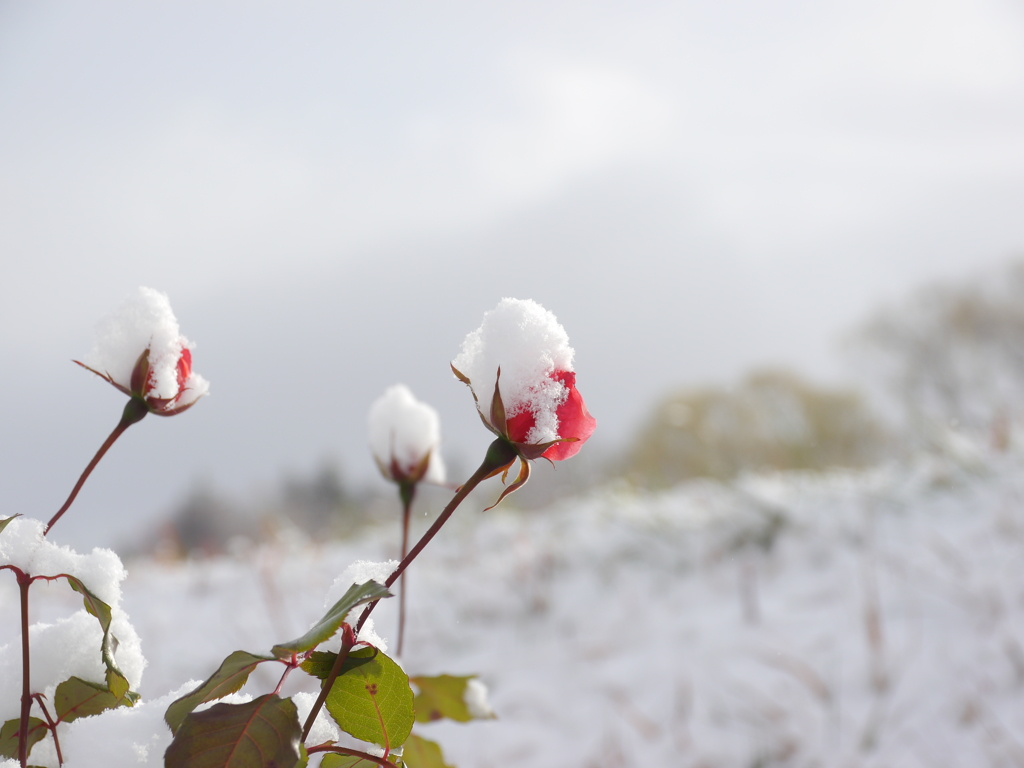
(143, 384)
(140, 351)
(518, 366)
(404, 438)
(162, 406)
(575, 424)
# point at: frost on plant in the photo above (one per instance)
(140, 350)
(404, 437)
(475, 697)
(522, 348)
(83, 666)
(528, 344)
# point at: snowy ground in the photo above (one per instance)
(871, 619)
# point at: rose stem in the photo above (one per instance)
(499, 454)
(408, 493)
(24, 580)
(134, 411)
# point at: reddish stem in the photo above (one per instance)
(289, 666)
(134, 411)
(408, 492)
(500, 454)
(50, 724)
(382, 761)
(26, 687)
(348, 639)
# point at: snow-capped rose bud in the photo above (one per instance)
(404, 437)
(518, 364)
(140, 350)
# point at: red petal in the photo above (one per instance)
(182, 370)
(574, 420)
(519, 426)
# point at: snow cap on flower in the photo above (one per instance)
(404, 437)
(140, 350)
(537, 384)
(527, 343)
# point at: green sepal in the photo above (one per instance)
(498, 419)
(524, 475)
(462, 377)
(6, 520)
(230, 676)
(324, 629)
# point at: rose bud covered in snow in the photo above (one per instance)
(140, 350)
(404, 436)
(518, 364)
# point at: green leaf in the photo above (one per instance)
(9, 736)
(6, 520)
(93, 604)
(264, 733)
(373, 701)
(117, 683)
(442, 696)
(423, 753)
(77, 698)
(324, 629)
(230, 676)
(320, 663)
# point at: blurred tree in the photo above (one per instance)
(202, 524)
(773, 420)
(952, 355)
(313, 502)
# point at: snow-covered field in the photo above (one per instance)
(848, 619)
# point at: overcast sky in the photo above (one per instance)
(333, 193)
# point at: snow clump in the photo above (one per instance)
(528, 344)
(143, 321)
(71, 646)
(475, 697)
(403, 431)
